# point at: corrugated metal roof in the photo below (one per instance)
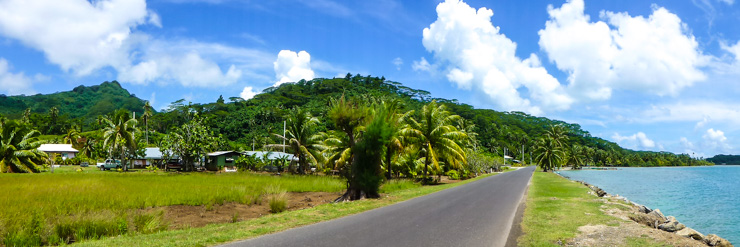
(57, 148)
(218, 153)
(272, 155)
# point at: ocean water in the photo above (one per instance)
(704, 198)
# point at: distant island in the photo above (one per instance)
(725, 159)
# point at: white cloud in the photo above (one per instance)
(397, 62)
(716, 139)
(694, 111)
(421, 65)
(481, 58)
(728, 2)
(656, 55)
(702, 123)
(14, 83)
(638, 140)
(291, 67)
(78, 35)
(82, 36)
(247, 93)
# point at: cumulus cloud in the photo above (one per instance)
(715, 139)
(480, 58)
(247, 93)
(655, 54)
(291, 67)
(693, 111)
(638, 140)
(14, 83)
(78, 35)
(84, 36)
(397, 62)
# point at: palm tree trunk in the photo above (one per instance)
(388, 154)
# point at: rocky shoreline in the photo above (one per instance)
(655, 219)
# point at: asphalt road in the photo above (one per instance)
(475, 214)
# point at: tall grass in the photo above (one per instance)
(277, 198)
(49, 205)
(398, 184)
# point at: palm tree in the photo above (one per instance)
(437, 136)
(19, 149)
(337, 153)
(575, 156)
(145, 117)
(548, 153)
(118, 135)
(72, 135)
(388, 110)
(301, 137)
(53, 116)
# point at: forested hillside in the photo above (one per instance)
(54, 113)
(253, 123)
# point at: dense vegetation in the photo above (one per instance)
(248, 124)
(724, 159)
(53, 114)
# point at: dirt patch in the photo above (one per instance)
(183, 216)
(624, 230)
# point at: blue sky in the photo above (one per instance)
(649, 75)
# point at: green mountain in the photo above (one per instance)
(725, 159)
(251, 123)
(81, 106)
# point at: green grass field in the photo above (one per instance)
(36, 204)
(556, 207)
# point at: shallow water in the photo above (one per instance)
(703, 198)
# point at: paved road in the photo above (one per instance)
(475, 214)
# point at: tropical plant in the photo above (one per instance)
(147, 114)
(549, 153)
(72, 136)
(19, 149)
(302, 138)
(191, 142)
(119, 136)
(438, 138)
(575, 157)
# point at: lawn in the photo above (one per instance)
(52, 207)
(556, 207)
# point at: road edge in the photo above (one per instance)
(516, 232)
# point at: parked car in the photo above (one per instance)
(174, 165)
(109, 164)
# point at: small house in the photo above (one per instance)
(222, 161)
(152, 156)
(66, 151)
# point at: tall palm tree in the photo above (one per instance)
(119, 135)
(575, 156)
(301, 137)
(19, 149)
(437, 136)
(337, 153)
(145, 117)
(53, 116)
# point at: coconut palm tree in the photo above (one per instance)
(147, 114)
(575, 156)
(438, 138)
(119, 135)
(19, 149)
(72, 135)
(549, 153)
(301, 138)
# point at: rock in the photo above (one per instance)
(671, 225)
(714, 240)
(644, 209)
(647, 219)
(659, 215)
(690, 233)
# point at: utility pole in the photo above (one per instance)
(284, 123)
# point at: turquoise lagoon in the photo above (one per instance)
(704, 198)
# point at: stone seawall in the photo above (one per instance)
(655, 219)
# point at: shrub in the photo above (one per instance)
(277, 198)
(452, 174)
(150, 222)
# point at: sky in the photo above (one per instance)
(658, 75)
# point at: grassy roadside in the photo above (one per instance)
(221, 233)
(556, 207)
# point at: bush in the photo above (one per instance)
(277, 198)
(452, 174)
(149, 223)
